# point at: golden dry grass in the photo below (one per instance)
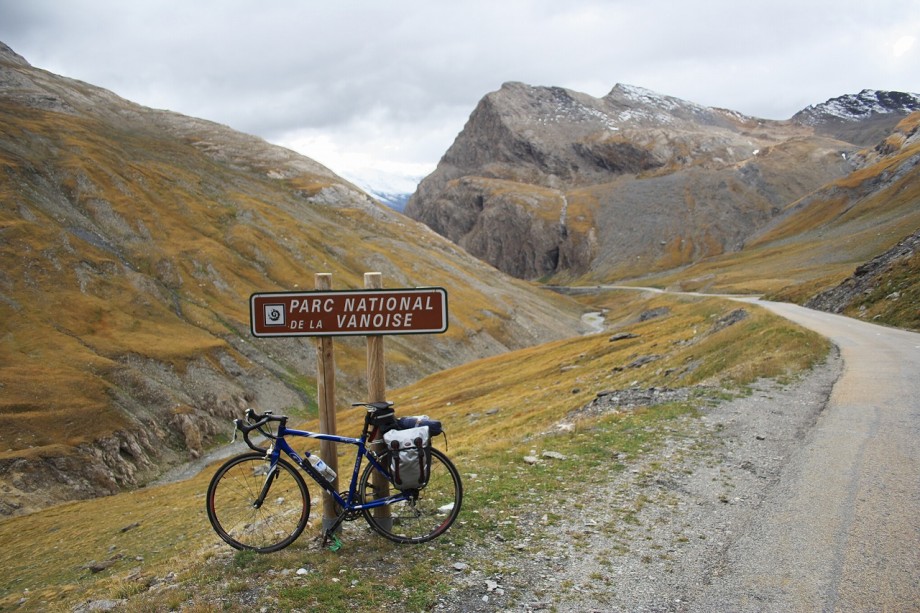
(121, 241)
(489, 408)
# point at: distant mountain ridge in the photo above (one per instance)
(549, 183)
(863, 118)
(858, 107)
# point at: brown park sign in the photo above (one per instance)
(349, 313)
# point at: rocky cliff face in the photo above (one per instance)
(887, 278)
(550, 183)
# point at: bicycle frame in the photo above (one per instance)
(349, 504)
(281, 508)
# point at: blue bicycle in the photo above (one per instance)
(258, 500)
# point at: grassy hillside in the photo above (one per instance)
(821, 239)
(131, 242)
(157, 551)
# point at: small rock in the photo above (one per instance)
(98, 567)
(99, 605)
(553, 454)
(643, 360)
(530, 459)
(461, 566)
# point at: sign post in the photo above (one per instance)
(325, 399)
(323, 313)
(377, 392)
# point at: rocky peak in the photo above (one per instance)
(631, 104)
(856, 107)
(9, 56)
(558, 107)
(554, 137)
(863, 119)
(546, 181)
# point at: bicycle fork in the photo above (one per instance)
(269, 479)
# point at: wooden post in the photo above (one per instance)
(377, 392)
(325, 397)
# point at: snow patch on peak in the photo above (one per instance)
(642, 95)
(647, 97)
(642, 103)
(854, 107)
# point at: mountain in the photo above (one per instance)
(392, 188)
(131, 240)
(863, 227)
(862, 119)
(854, 232)
(552, 184)
(396, 201)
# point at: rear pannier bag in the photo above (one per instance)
(410, 457)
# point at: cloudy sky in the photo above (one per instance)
(378, 89)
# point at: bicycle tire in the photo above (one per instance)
(421, 518)
(233, 514)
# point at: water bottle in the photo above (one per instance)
(322, 467)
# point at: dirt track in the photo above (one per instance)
(801, 497)
(841, 531)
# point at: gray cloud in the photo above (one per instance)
(395, 81)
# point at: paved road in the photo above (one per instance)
(842, 532)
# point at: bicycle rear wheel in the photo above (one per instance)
(252, 509)
(420, 518)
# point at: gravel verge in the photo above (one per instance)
(654, 537)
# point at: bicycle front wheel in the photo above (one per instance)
(253, 507)
(418, 519)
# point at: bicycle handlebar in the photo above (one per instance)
(259, 424)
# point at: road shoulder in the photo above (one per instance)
(657, 537)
